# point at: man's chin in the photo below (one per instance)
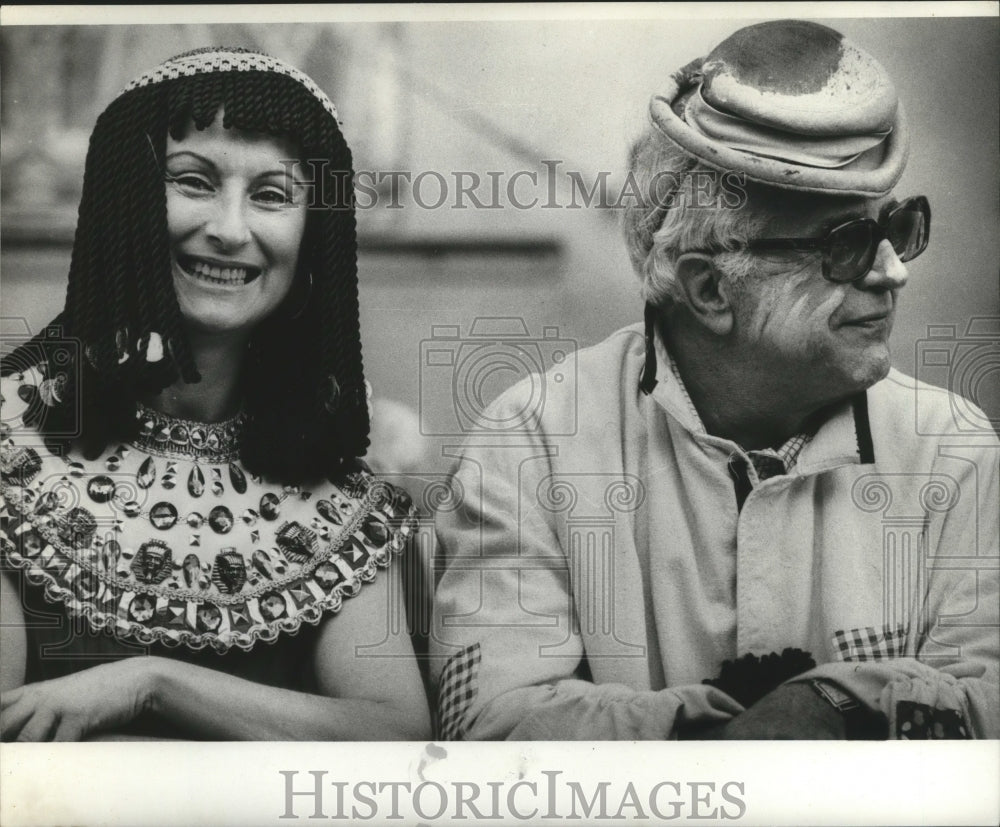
(846, 380)
(874, 368)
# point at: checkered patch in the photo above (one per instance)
(458, 690)
(870, 643)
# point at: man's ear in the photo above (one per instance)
(706, 296)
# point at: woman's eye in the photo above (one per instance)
(273, 196)
(190, 182)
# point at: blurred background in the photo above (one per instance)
(502, 102)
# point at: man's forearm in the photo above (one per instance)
(573, 710)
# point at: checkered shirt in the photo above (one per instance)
(870, 643)
(457, 692)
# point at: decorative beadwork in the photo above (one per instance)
(167, 436)
(129, 542)
(228, 60)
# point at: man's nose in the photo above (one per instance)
(888, 272)
(228, 226)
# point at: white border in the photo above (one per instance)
(221, 784)
(16, 15)
(787, 783)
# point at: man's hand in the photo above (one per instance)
(791, 712)
(102, 698)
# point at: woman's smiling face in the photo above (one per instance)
(236, 214)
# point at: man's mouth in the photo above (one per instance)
(873, 319)
(228, 273)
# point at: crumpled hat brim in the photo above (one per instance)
(776, 172)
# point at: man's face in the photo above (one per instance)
(823, 340)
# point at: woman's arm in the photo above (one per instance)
(364, 698)
(13, 642)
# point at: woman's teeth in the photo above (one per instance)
(219, 275)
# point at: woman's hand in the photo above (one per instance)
(102, 698)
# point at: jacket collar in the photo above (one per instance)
(843, 436)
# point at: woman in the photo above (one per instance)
(179, 469)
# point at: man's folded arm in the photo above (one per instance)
(577, 710)
(510, 659)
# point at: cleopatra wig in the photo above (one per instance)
(302, 382)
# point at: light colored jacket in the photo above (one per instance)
(599, 568)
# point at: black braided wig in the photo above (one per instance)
(302, 382)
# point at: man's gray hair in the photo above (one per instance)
(683, 206)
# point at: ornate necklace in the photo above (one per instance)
(169, 535)
(208, 455)
(170, 436)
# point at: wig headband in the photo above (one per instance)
(228, 59)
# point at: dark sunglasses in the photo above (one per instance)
(849, 250)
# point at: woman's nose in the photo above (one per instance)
(228, 226)
(888, 272)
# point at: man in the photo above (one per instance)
(753, 529)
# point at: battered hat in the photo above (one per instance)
(790, 104)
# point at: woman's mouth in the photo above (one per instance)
(231, 274)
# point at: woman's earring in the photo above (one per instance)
(151, 348)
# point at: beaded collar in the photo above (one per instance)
(168, 436)
(169, 540)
